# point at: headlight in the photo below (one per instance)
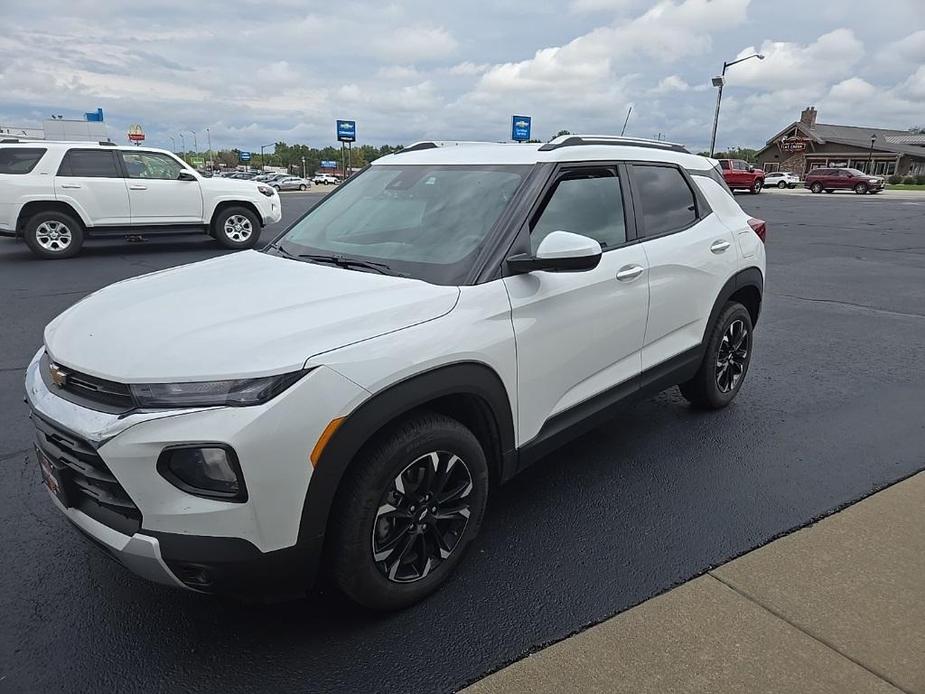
(236, 393)
(266, 190)
(873, 180)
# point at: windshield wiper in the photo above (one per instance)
(344, 262)
(280, 249)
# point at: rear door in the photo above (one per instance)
(91, 181)
(156, 193)
(690, 255)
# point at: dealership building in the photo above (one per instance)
(805, 145)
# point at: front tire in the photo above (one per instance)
(782, 185)
(756, 187)
(725, 362)
(236, 228)
(302, 187)
(861, 189)
(406, 511)
(53, 235)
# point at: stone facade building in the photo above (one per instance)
(805, 145)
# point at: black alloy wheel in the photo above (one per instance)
(732, 356)
(422, 516)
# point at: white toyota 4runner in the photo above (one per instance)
(442, 320)
(55, 195)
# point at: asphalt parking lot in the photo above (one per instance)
(833, 409)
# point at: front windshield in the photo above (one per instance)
(423, 221)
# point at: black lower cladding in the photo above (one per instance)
(89, 485)
(236, 567)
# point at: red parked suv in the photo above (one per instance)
(827, 180)
(740, 174)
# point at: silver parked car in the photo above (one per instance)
(291, 183)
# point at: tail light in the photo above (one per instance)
(759, 226)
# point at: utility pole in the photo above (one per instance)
(719, 82)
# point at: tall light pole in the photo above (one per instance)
(173, 144)
(263, 161)
(870, 155)
(195, 142)
(182, 144)
(209, 135)
(719, 82)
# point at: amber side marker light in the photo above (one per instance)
(324, 438)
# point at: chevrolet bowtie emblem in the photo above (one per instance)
(58, 377)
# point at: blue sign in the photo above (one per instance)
(520, 128)
(328, 164)
(95, 117)
(347, 130)
(244, 156)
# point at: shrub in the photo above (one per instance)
(920, 179)
(909, 180)
(894, 179)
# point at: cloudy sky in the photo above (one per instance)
(259, 71)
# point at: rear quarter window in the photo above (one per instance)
(20, 160)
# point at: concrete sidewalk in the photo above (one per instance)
(836, 607)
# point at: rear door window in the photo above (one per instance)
(20, 160)
(666, 199)
(90, 163)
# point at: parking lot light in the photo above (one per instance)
(719, 82)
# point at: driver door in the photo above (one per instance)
(578, 334)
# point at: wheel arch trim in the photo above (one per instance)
(749, 277)
(461, 378)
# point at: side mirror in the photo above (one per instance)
(560, 251)
(751, 169)
(186, 176)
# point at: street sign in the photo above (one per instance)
(347, 130)
(136, 134)
(328, 164)
(520, 128)
(244, 156)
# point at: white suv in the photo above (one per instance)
(433, 326)
(57, 194)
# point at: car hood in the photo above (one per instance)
(229, 184)
(247, 314)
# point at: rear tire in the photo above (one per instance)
(53, 235)
(399, 526)
(816, 187)
(236, 228)
(725, 362)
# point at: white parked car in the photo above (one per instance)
(325, 179)
(449, 316)
(55, 195)
(781, 179)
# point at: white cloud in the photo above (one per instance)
(411, 44)
(581, 6)
(832, 56)
(672, 83)
(469, 68)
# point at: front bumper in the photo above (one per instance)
(258, 547)
(272, 211)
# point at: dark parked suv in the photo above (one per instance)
(827, 180)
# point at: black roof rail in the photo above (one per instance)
(9, 140)
(580, 140)
(417, 147)
(107, 143)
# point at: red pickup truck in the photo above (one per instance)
(739, 174)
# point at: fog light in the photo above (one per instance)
(209, 471)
